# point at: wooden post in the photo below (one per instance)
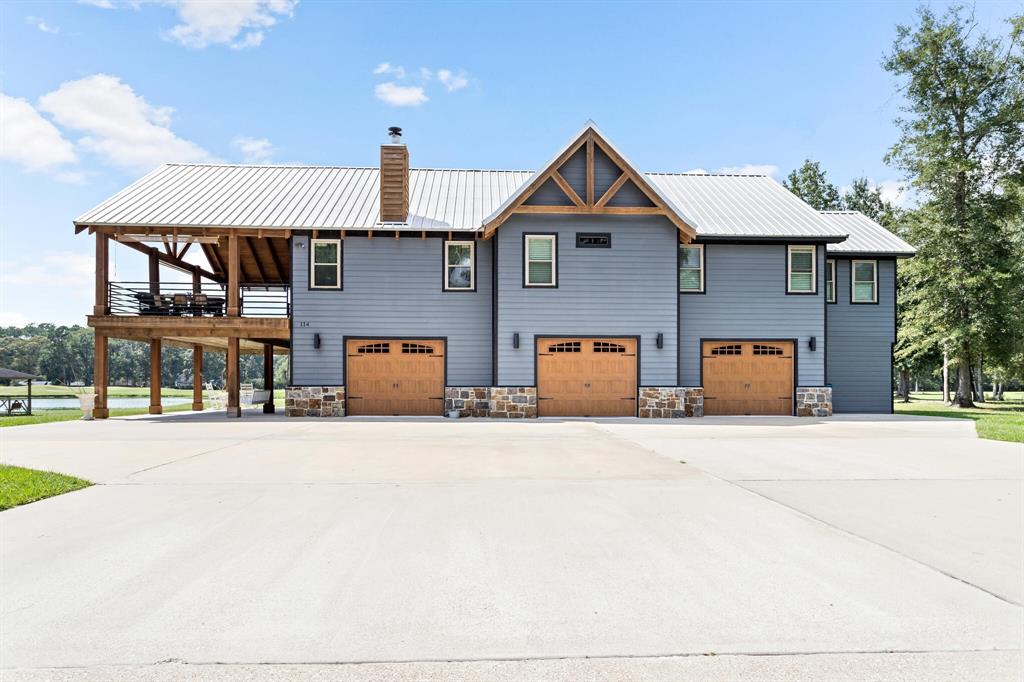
(154, 377)
(102, 306)
(197, 378)
(100, 378)
(154, 272)
(268, 377)
(197, 282)
(233, 266)
(231, 375)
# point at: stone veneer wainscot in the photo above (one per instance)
(513, 402)
(670, 402)
(470, 401)
(314, 401)
(814, 401)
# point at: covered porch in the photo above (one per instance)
(238, 302)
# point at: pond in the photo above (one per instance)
(72, 403)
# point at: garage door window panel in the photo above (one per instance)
(801, 270)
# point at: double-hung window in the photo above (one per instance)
(830, 281)
(459, 265)
(864, 281)
(325, 264)
(540, 260)
(801, 270)
(691, 268)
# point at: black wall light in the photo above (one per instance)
(515, 340)
(316, 341)
(660, 340)
(812, 342)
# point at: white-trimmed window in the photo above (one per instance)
(801, 269)
(691, 268)
(325, 264)
(540, 260)
(864, 281)
(459, 265)
(830, 281)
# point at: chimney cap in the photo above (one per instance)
(396, 134)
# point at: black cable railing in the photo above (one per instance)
(184, 300)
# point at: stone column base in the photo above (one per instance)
(513, 402)
(470, 401)
(670, 402)
(814, 401)
(314, 401)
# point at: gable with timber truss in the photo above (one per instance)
(590, 177)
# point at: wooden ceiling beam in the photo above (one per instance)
(255, 259)
(168, 260)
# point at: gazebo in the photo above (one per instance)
(16, 404)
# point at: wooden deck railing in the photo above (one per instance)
(186, 300)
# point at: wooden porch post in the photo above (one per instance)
(197, 282)
(268, 377)
(102, 274)
(154, 272)
(197, 378)
(154, 377)
(233, 267)
(100, 378)
(231, 375)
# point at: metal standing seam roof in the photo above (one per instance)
(328, 197)
(866, 236)
(301, 197)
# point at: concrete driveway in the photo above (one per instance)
(776, 548)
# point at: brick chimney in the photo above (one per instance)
(394, 179)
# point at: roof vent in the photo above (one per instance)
(395, 133)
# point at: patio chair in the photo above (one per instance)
(149, 303)
(199, 303)
(215, 306)
(180, 304)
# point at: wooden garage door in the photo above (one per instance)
(586, 377)
(748, 377)
(394, 377)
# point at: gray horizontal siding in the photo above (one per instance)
(628, 289)
(860, 338)
(392, 287)
(746, 298)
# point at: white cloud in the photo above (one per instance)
(452, 81)
(425, 73)
(119, 125)
(400, 95)
(28, 139)
(42, 25)
(749, 169)
(9, 318)
(895, 192)
(102, 4)
(65, 269)
(387, 69)
(254, 150)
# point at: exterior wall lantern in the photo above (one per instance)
(515, 340)
(812, 342)
(316, 341)
(660, 340)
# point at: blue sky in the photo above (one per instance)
(96, 93)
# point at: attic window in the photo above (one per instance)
(593, 240)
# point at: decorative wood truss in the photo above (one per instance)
(263, 254)
(590, 178)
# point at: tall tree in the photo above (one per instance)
(810, 184)
(962, 147)
(868, 200)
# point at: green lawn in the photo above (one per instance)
(993, 420)
(45, 416)
(113, 392)
(21, 486)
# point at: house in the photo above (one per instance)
(586, 288)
